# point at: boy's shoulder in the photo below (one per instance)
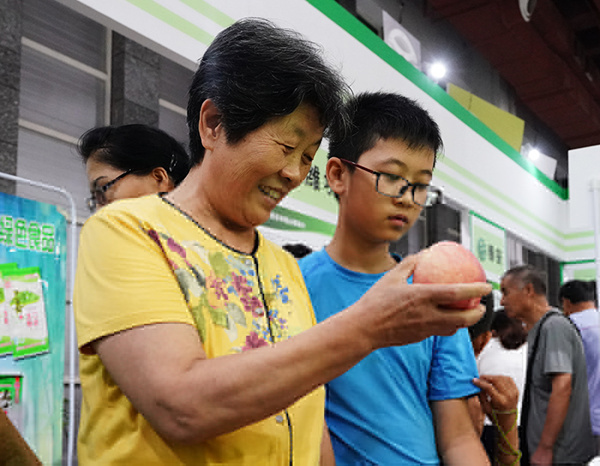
(313, 262)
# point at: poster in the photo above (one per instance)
(488, 243)
(33, 243)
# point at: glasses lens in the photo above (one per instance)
(100, 197)
(91, 204)
(390, 185)
(422, 194)
(396, 186)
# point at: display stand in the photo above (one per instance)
(71, 340)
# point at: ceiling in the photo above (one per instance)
(552, 61)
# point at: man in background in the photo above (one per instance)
(578, 302)
(556, 416)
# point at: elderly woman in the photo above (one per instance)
(197, 337)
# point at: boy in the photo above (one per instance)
(400, 405)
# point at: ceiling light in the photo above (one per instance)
(437, 71)
(533, 154)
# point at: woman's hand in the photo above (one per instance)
(393, 312)
(499, 399)
(499, 393)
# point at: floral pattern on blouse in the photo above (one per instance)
(224, 290)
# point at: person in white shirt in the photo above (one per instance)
(506, 352)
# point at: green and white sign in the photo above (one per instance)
(488, 243)
(579, 270)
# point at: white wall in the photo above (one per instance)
(478, 171)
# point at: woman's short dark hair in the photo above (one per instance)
(380, 115)
(254, 71)
(509, 331)
(483, 325)
(135, 147)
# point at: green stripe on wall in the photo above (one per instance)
(581, 234)
(173, 20)
(580, 247)
(497, 193)
(477, 195)
(359, 31)
(500, 195)
(291, 220)
(210, 12)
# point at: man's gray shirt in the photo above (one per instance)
(560, 351)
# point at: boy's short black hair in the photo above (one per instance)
(378, 115)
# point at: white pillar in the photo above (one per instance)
(595, 193)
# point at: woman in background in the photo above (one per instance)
(505, 354)
(130, 161)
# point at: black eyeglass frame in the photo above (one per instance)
(403, 189)
(98, 196)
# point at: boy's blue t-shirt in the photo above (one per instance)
(378, 412)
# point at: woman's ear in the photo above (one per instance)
(336, 173)
(162, 179)
(209, 124)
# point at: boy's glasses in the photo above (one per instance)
(98, 197)
(395, 186)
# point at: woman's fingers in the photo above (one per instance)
(498, 392)
(451, 292)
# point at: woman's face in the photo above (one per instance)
(249, 178)
(106, 188)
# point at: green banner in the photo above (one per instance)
(488, 243)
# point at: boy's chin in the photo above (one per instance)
(394, 236)
(398, 232)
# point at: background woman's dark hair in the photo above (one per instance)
(254, 71)
(298, 250)
(510, 332)
(138, 147)
(483, 324)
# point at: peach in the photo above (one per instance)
(449, 262)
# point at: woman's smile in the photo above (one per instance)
(273, 193)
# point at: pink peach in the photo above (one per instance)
(449, 262)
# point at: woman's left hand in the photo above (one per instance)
(498, 393)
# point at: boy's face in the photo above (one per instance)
(379, 218)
